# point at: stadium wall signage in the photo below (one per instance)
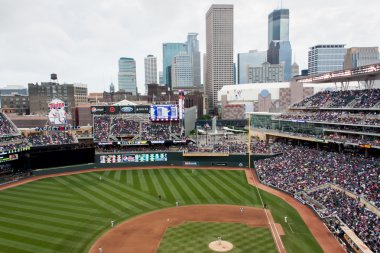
(97, 109)
(127, 109)
(57, 113)
(11, 157)
(56, 128)
(134, 158)
(116, 109)
(190, 163)
(143, 142)
(142, 108)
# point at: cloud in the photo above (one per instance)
(82, 41)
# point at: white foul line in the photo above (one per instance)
(270, 224)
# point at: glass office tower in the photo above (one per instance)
(127, 75)
(278, 25)
(170, 50)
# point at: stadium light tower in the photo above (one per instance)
(249, 140)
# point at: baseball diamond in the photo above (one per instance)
(68, 213)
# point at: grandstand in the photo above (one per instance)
(330, 144)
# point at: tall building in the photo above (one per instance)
(80, 94)
(112, 88)
(219, 50)
(161, 77)
(150, 64)
(326, 58)
(253, 58)
(192, 44)
(295, 69)
(279, 48)
(280, 51)
(127, 75)
(266, 73)
(169, 50)
(360, 56)
(182, 70)
(278, 25)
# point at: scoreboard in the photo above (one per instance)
(163, 112)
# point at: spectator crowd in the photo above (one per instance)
(302, 169)
(368, 98)
(139, 127)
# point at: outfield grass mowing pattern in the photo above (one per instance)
(67, 213)
(193, 237)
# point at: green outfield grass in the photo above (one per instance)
(195, 236)
(66, 214)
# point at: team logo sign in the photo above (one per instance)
(57, 114)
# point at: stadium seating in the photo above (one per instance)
(340, 99)
(7, 128)
(302, 169)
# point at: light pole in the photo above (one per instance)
(249, 141)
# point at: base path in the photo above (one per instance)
(143, 234)
(326, 240)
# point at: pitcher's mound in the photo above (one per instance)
(220, 246)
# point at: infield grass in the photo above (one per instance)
(193, 237)
(67, 213)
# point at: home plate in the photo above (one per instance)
(220, 246)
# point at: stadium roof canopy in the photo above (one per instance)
(124, 102)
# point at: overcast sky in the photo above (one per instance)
(82, 40)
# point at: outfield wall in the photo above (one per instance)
(173, 159)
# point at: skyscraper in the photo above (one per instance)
(219, 51)
(360, 56)
(161, 77)
(280, 52)
(170, 50)
(150, 66)
(325, 58)
(150, 63)
(253, 58)
(127, 75)
(182, 70)
(192, 44)
(279, 48)
(278, 25)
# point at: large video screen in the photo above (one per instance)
(134, 158)
(163, 112)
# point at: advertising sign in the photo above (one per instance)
(134, 158)
(57, 114)
(127, 109)
(97, 109)
(112, 109)
(142, 108)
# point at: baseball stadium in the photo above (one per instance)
(151, 178)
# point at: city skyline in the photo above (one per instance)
(45, 37)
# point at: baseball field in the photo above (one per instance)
(68, 213)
